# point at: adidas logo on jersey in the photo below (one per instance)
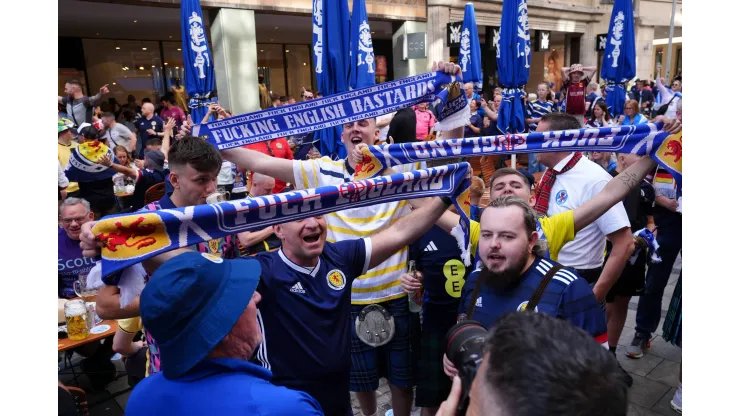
(297, 288)
(431, 247)
(479, 302)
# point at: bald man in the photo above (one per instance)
(470, 94)
(149, 126)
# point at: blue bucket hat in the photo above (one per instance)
(192, 302)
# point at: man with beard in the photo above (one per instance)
(515, 277)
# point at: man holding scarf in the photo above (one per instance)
(380, 286)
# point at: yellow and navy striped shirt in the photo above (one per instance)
(384, 281)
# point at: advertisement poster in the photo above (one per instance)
(554, 61)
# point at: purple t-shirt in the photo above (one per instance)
(71, 264)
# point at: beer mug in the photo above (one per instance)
(215, 198)
(82, 289)
(75, 313)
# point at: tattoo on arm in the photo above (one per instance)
(629, 180)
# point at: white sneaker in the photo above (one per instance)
(676, 400)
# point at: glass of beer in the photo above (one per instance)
(83, 290)
(75, 313)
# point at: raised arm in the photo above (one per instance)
(490, 113)
(664, 93)
(131, 173)
(589, 71)
(259, 162)
(613, 193)
(405, 231)
(167, 136)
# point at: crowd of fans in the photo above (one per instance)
(551, 217)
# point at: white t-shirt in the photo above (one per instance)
(118, 135)
(384, 130)
(571, 190)
(226, 174)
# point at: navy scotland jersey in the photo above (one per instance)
(304, 316)
(567, 296)
(437, 256)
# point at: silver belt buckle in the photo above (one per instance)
(375, 325)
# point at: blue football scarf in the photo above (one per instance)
(369, 102)
(83, 166)
(132, 238)
(642, 139)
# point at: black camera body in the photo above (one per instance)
(465, 349)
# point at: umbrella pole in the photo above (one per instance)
(670, 41)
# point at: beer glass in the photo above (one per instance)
(83, 290)
(75, 313)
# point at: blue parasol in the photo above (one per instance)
(618, 65)
(200, 77)
(513, 65)
(469, 59)
(362, 57)
(331, 56)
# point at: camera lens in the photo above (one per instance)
(465, 342)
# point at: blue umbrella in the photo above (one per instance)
(513, 65)
(362, 57)
(618, 65)
(331, 56)
(469, 59)
(197, 59)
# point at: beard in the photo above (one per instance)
(506, 278)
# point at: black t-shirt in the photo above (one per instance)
(403, 126)
(638, 203)
(98, 193)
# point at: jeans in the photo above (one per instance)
(658, 274)
(534, 166)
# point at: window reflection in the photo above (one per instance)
(128, 67)
(270, 56)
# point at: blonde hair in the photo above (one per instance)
(477, 186)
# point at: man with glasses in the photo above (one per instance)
(72, 214)
(668, 97)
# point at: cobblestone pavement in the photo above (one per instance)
(655, 375)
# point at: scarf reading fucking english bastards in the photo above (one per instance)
(130, 239)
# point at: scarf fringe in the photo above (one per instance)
(462, 244)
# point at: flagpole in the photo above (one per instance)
(670, 41)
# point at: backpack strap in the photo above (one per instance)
(537, 295)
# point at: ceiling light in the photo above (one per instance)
(262, 50)
(177, 67)
(287, 51)
(114, 83)
(143, 49)
(134, 21)
(165, 63)
(372, 33)
(170, 36)
(179, 49)
(141, 68)
(152, 66)
(304, 64)
(276, 28)
(118, 47)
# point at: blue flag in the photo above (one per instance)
(200, 77)
(618, 65)
(362, 57)
(513, 56)
(469, 59)
(331, 56)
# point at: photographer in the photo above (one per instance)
(534, 364)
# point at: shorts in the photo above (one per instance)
(432, 384)
(632, 280)
(391, 360)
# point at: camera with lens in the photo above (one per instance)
(465, 348)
